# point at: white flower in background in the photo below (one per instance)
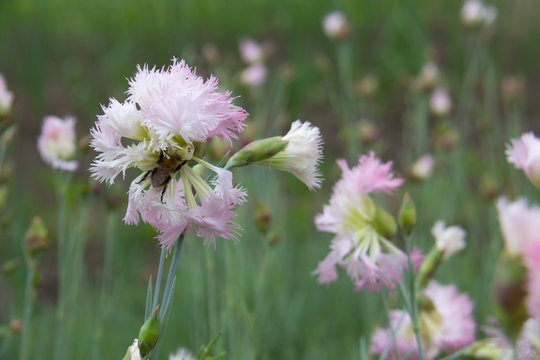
(423, 167)
(251, 51)
(475, 13)
(302, 154)
(56, 143)
(450, 239)
(524, 153)
(6, 97)
(429, 75)
(182, 354)
(440, 102)
(133, 352)
(335, 25)
(253, 76)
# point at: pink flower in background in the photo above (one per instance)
(440, 102)
(524, 153)
(335, 25)
(251, 51)
(445, 321)
(422, 168)
(6, 97)
(254, 75)
(56, 143)
(166, 114)
(371, 260)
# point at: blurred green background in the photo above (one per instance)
(69, 57)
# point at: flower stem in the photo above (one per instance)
(27, 308)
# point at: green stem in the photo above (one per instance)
(27, 308)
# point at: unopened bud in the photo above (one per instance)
(430, 264)
(384, 223)
(149, 333)
(36, 238)
(368, 132)
(133, 352)
(8, 135)
(510, 294)
(407, 214)
(16, 325)
(273, 238)
(368, 86)
(258, 150)
(262, 217)
(10, 266)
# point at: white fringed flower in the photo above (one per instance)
(335, 25)
(6, 97)
(182, 354)
(56, 143)
(302, 154)
(524, 153)
(450, 239)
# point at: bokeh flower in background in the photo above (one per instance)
(182, 354)
(361, 227)
(475, 13)
(335, 25)
(445, 320)
(166, 116)
(6, 97)
(422, 168)
(254, 75)
(251, 51)
(57, 143)
(524, 153)
(440, 102)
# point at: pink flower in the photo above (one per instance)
(56, 143)
(6, 97)
(251, 51)
(445, 321)
(423, 167)
(335, 25)
(254, 75)
(167, 113)
(520, 225)
(440, 102)
(524, 153)
(357, 246)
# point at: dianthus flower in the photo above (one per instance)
(6, 97)
(445, 321)
(159, 129)
(524, 153)
(182, 354)
(369, 258)
(56, 143)
(449, 240)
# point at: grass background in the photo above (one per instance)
(68, 57)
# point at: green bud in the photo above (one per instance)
(257, 150)
(407, 214)
(510, 294)
(430, 264)
(149, 333)
(384, 223)
(10, 266)
(273, 238)
(3, 197)
(36, 238)
(9, 134)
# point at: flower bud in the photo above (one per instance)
(36, 238)
(335, 25)
(384, 223)
(273, 237)
(149, 333)
(368, 132)
(8, 135)
(510, 294)
(407, 214)
(16, 325)
(258, 150)
(430, 264)
(133, 352)
(262, 217)
(10, 266)
(368, 86)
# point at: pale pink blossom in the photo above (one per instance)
(251, 51)
(56, 143)
(254, 75)
(449, 240)
(423, 167)
(520, 225)
(6, 97)
(524, 153)
(370, 260)
(166, 114)
(335, 25)
(445, 322)
(440, 102)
